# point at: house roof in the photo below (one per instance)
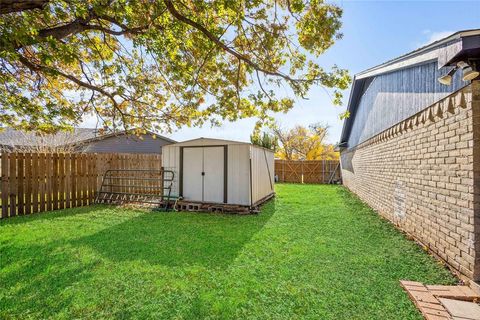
(99, 136)
(444, 50)
(447, 51)
(12, 137)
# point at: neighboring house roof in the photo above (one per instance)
(447, 52)
(119, 133)
(12, 137)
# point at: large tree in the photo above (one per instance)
(301, 143)
(161, 64)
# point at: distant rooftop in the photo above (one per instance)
(12, 137)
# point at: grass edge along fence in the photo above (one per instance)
(37, 182)
(307, 171)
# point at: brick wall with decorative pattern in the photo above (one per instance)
(423, 174)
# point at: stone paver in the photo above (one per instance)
(429, 306)
(454, 292)
(461, 310)
(444, 302)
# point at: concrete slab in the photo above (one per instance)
(461, 310)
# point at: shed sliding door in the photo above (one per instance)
(204, 174)
(192, 174)
(213, 179)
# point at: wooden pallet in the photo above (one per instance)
(211, 207)
(194, 206)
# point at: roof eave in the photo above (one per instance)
(342, 136)
(445, 51)
(452, 43)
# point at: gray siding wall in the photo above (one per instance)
(126, 144)
(393, 97)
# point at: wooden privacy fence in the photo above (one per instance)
(36, 182)
(307, 171)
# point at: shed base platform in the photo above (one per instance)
(192, 206)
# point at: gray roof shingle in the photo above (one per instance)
(10, 137)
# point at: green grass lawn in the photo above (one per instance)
(315, 252)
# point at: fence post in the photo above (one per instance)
(302, 164)
(28, 183)
(5, 181)
(323, 171)
(13, 184)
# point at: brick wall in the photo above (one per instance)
(419, 174)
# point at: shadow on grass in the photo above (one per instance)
(179, 239)
(36, 266)
(35, 277)
(48, 215)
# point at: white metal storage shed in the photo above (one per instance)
(220, 171)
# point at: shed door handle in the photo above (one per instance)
(203, 173)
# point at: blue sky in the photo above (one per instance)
(374, 32)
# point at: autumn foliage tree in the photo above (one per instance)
(301, 143)
(161, 64)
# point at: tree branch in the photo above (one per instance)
(37, 68)
(114, 32)
(209, 35)
(10, 6)
(81, 25)
(65, 30)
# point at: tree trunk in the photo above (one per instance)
(9, 6)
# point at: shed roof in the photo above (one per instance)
(214, 141)
(209, 141)
(447, 51)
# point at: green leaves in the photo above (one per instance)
(345, 115)
(161, 65)
(265, 140)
